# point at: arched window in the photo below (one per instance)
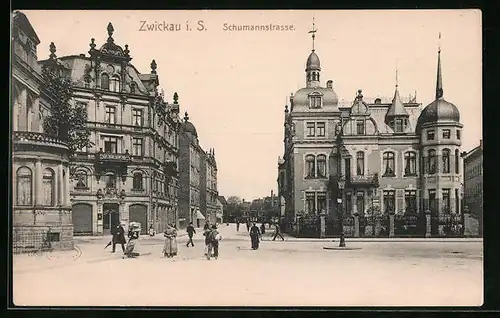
(114, 84)
(82, 179)
(24, 179)
(310, 166)
(457, 161)
(360, 163)
(137, 181)
(432, 161)
(446, 160)
(410, 163)
(321, 163)
(110, 180)
(48, 187)
(388, 162)
(104, 81)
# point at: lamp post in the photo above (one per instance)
(341, 184)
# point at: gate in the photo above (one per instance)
(446, 225)
(139, 213)
(308, 226)
(408, 225)
(82, 219)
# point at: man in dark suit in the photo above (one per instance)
(190, 231)
(119, 237)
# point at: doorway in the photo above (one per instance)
(110, 218)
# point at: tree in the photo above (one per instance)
(67, 120)
(234, 200)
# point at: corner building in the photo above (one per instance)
(130, 173)
(398, 164)
(41, 209)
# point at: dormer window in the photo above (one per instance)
(360, 127)
(114, 84)
(132, 88)
(398, 127)
(315, 101)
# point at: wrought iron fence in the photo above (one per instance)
(29, 240)
(448, 225)
(308, 226)
(409, 225)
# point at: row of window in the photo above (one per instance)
(110, 116)
(410, 201)
(474, 171)
(315, 166)
(475, 191)
(24, 177)
(446, 134)
(315, 129)
(431, 162)
(110, 181)
(113, 83)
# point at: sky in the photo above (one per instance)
(235, 84)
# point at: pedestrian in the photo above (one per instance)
(248, 225)
(206, 234)
(277, 232)
(206, 226)
(133, 235)
(213, 242)
(237, 225)
(170, 247)
(263, 228)
(152, 231)
(190, 231)
(118, 237)
(254, 236)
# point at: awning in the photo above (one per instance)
(199, 216)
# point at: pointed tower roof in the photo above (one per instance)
(439, 110)
(397, 108)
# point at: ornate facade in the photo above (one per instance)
(197, 178)
(473, 190)
(130, 172)
(40, 167)
(398, 163)
(208, 187)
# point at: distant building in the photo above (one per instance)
(473, 187)
(40, 164)
(221, 206)
(130, 173)
(191, 156)
(208, 186)
(397, 162)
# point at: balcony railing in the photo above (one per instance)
(113, 157)
(37, 138)
(363, 180)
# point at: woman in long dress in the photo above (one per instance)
(170, 248)
(254, 236)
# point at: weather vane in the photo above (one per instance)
(313, 31)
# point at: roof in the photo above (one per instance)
(397, 108)
(22, 21)
(222, 199)
(313, 62)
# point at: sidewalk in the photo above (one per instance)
(289, 238)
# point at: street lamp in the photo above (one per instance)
(341, 184)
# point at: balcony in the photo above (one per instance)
(30, 140)
(103, 157)
(366, 180)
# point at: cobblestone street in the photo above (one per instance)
(290, 273)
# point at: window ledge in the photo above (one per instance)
(82, 188)
(410, 175)
(388, 175)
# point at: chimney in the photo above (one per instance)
(329, 84)
(82, 55)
